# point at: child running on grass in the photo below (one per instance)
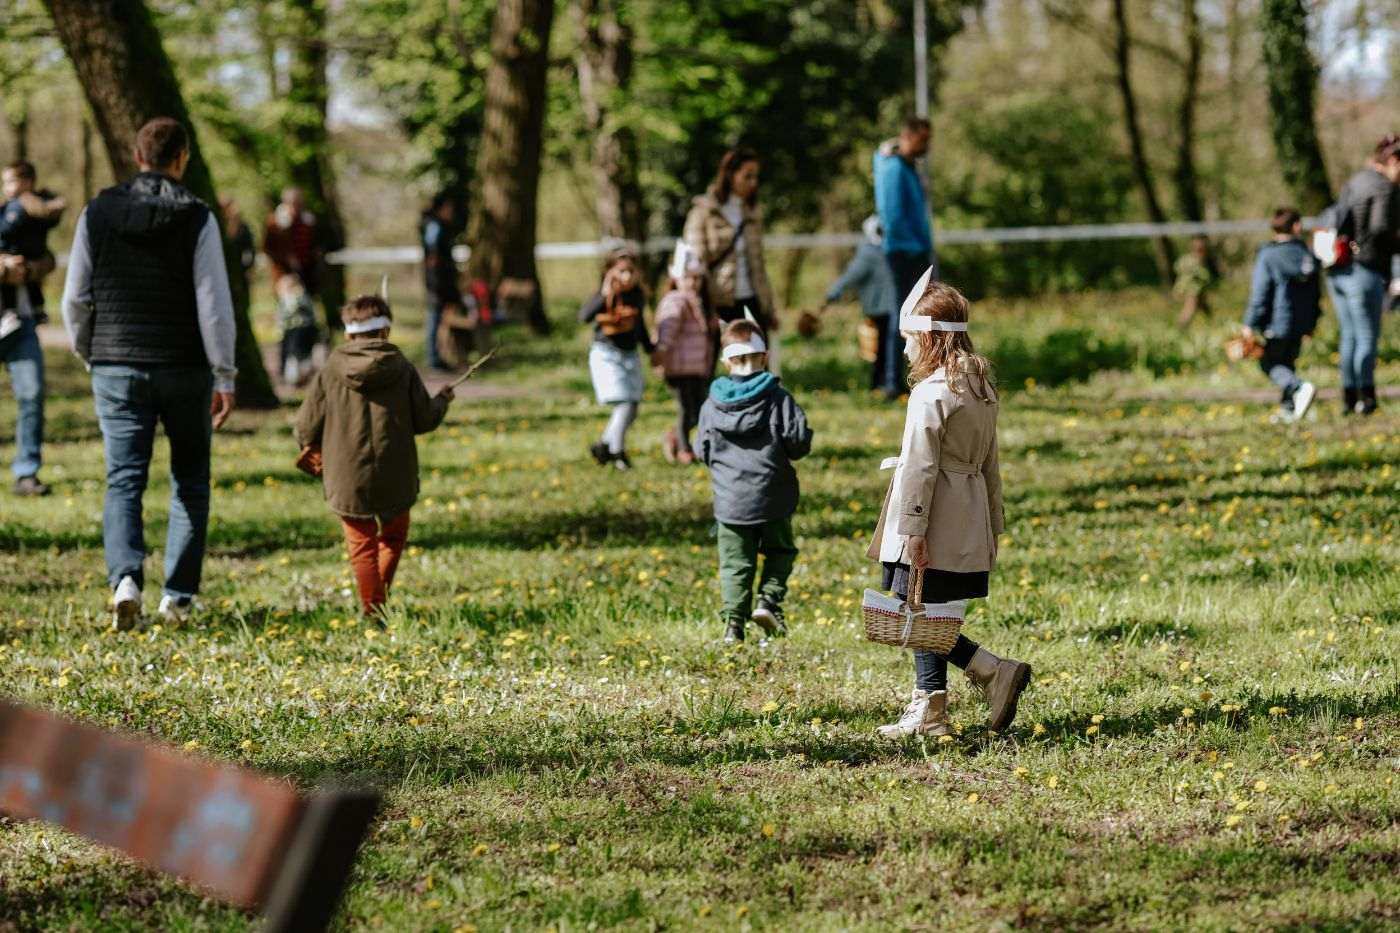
(751, 430)
(362, 412)
(615, 311)
(1284, 305)
(685, 341)
(943, 512)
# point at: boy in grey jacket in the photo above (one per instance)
(1283, 309)
(869, 274)
(750, 431)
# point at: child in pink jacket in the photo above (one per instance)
(685, 342)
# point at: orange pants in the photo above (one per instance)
(375, 548)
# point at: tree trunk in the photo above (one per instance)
(89, 170)
(604, 63)
(503, 228)
(1188, 190)
(128, 79)
(19, 126)
(1292, 76)
(1142, 171)
(308, 151)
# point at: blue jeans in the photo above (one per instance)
(430, 326)
(24, 358)
(1359, 294)
(130, 400)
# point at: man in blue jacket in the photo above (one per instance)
(902, 205)
(1283, 308)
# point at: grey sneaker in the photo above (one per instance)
(769, 617)
(733, 632)
(30, 486)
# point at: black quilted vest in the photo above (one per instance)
(141, 236)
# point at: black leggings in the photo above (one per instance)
(689, 392)
(930, 668)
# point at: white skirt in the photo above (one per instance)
(617, 374)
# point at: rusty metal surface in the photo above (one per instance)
(217, 825)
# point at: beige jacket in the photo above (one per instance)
(947, 481)
(708, 233)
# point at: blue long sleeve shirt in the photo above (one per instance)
(1284, 297)
(901, 203)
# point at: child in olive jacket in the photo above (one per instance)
(751, 430)
(362, 412)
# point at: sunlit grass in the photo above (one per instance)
(1210, 604)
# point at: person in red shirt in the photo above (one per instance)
(292, 242)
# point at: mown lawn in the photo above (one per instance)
(1211, 741)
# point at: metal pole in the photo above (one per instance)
(921, 57)
(921, 95)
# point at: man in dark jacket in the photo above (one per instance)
(901, 202)
(1284, 305)
(146, 303)
(750, 431)
(439, 231)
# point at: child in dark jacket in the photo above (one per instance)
(619, 328)
(26, 217)
(751, 430)
(362, 413)
(1283, 309)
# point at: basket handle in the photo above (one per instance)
(916, 586)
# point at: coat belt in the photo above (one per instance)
(949, 464)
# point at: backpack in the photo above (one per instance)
(1334, 240)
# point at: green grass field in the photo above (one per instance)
(1211, 740)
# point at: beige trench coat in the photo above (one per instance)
(708, 233)
(947, 481)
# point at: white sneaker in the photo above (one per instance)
(172, 611)
(126, 604)
(1302, 400)
(926, 714)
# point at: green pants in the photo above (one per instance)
(739, 547)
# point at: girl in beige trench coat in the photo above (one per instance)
(943, 511)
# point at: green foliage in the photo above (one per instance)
(1042, 160)
(425, 61)
(806, 84)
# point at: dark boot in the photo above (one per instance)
(1349, 399)
(1367, 404)
(733, 632)
(1001, 681)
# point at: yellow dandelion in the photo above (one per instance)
(1187, 712)
(1278, 711)
(1233, 819)
(1261, 786)
(1092, 730)
(553, 847)
(1039, 729)
(1096, 718)
(480, 850)
(770, 707)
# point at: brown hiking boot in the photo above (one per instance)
(1000, 681)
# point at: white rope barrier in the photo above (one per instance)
(589, 249)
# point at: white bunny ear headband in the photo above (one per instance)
(912, 323)
(754, 344)
(374, 323)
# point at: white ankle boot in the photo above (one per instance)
(926, 714)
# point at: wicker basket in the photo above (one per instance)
(867, 340)
(889, 621)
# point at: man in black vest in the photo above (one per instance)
(147, 306)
